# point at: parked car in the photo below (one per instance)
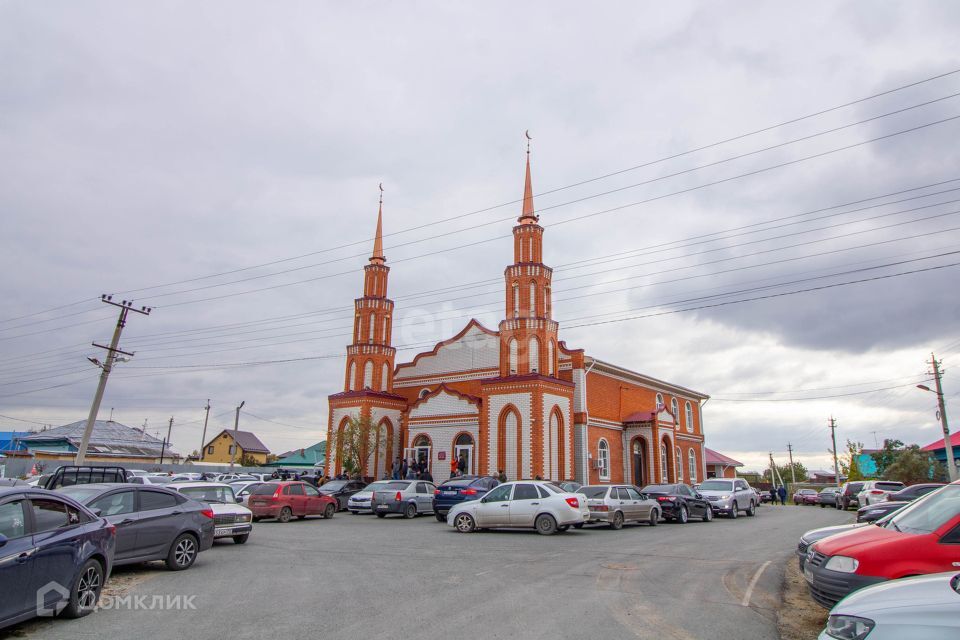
(814, 535)
(848, 495)
(873, 512)
(617, 504)
(457, 490)
(84, 474)
(679, 503)
(540, 505)
(729, 496)
(232, 520)
(151, 479)
(289, 498)
(913, 492)
(806, 496)
(242, 490)
(360, 501)
(766, 496)
(408, 497)
(919, 608)
(135, 472)
(874, 491)
(922, 537)
(570, 486)
(341, 490)
(151, 523)
(186, 477)
(828, 497)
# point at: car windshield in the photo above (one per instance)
(554, 488)
(807, 491)
(80, 492)
(336, 485)
(660, 488)
(392, 486)
(223, 495)
(928, 513)
(266, 489)
(594, 493)
(716, 485)
(376, 486)
(890, 486)
(459, 482)
(829, 490)
(160, 479)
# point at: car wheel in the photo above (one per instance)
(545, 525)
(285, 514)
(708, 514)
(734, 512)
(329, 511)
(654, 518)
(440, 517)
(86, 590)
(410, 511)
(617, 522)
(182, 553)
(241, 539)
(683, 516)
(381, 515)
(257, 518)
(579, 525)
(464, 523)
(752, 509)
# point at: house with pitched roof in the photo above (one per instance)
(234, 444)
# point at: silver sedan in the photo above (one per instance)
(616, 504)
(525, 504)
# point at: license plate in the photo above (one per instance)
(448, 493)
(381, 506)
(808, 573)
(221, 532)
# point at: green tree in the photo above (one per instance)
(356, 442)
(851, 468)
(886, 456)
(910, 465)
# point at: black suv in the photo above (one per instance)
(69, 475)
(848, 495)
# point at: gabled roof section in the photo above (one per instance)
(474, 326)
(449, 402)
(714, 457)
(937, 444)
(246, 440)
(599, 366)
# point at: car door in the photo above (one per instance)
(298, 499)
(624, 503)
(313, 503)
(158, 522)
(494, 508)
(119, 508)
(695, 506)
(424, 502)
(524, 505)
(57, 538)
(16, 559)
(641, 509)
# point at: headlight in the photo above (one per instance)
(843, 564)
(724, 497)
(849, 627)
(244, 517)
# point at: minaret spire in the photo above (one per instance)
(528, 216)
(378, 257)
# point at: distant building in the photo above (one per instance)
(719, 465)
(109, 442)
(308, 457)
(11, 441)
(825, 477)
(221, 448)
(865, 463)
(940, 452)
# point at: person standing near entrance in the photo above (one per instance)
(501, 476)
(462, 464)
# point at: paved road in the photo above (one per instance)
(360, 577)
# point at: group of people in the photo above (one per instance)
(778, 493)
(411, 469)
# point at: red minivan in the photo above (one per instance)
(921, 538)
(283, 500)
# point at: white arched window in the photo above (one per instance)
(530, 249)
(679, 467)
(534, 355)
(547, 302)
(675, 408)
(516, 300)
(603, 459)
(689, 417)
(356, 329)
(663, 464)
(370, 335)
(513, 355)
(692, 459)
(424, 392)
(386, 331)
(352, 382)
(384, 376)
(533, 299)
(660, 401)
(550, 358)
(368, 375)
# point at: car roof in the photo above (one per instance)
(33, 492)
(190, 485)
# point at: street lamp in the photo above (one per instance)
(942, 414)
(236, 425)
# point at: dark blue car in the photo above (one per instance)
(55, 555)
(457, 490)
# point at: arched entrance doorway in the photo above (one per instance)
(638, 451)
(463, 453)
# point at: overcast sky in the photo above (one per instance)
(165, 151)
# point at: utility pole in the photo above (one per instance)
(236, 425)
(773, 471)
(793, 471)
(947, 444)
(112, 351)
(203, 439)
(833, 435)
(163, 447)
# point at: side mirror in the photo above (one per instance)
(3, 539)
(97, 512)
(483, 499)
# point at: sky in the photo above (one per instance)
(758, 201)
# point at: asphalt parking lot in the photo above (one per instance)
(360, 577)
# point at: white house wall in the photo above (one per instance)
(476, 349)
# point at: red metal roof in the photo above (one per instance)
(718, 458)
(641, 416)
(938, 443)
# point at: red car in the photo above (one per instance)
(283, 500)
(921, 538)
(806, 496)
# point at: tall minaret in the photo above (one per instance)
(370, 357)
(528, 334)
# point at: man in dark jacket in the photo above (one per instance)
(462, 464)
(426, 475)
(782, 492)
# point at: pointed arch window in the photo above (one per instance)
(352, 378)
(660, 401)
(368, 375)
(370, 334)
(384, 376)
(533, 299)
(675, 408)
(663, 464)
(679, 467)
(692, 467)
(689, 417)
(547, 302)
(513, 355)
(356, 329)
(386, 330)
(551, 366)
(533, 355)
(603, 459)
(530, 250)
(516, 300)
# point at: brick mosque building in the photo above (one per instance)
(517, 398)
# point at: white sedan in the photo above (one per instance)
(920, 608)
(524, 504)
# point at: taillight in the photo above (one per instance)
(876, 492)
(398, 497)
(469, 492)
(573, 502)
(436, 492)
(664, 499)
(208, 513)
(600, 507)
